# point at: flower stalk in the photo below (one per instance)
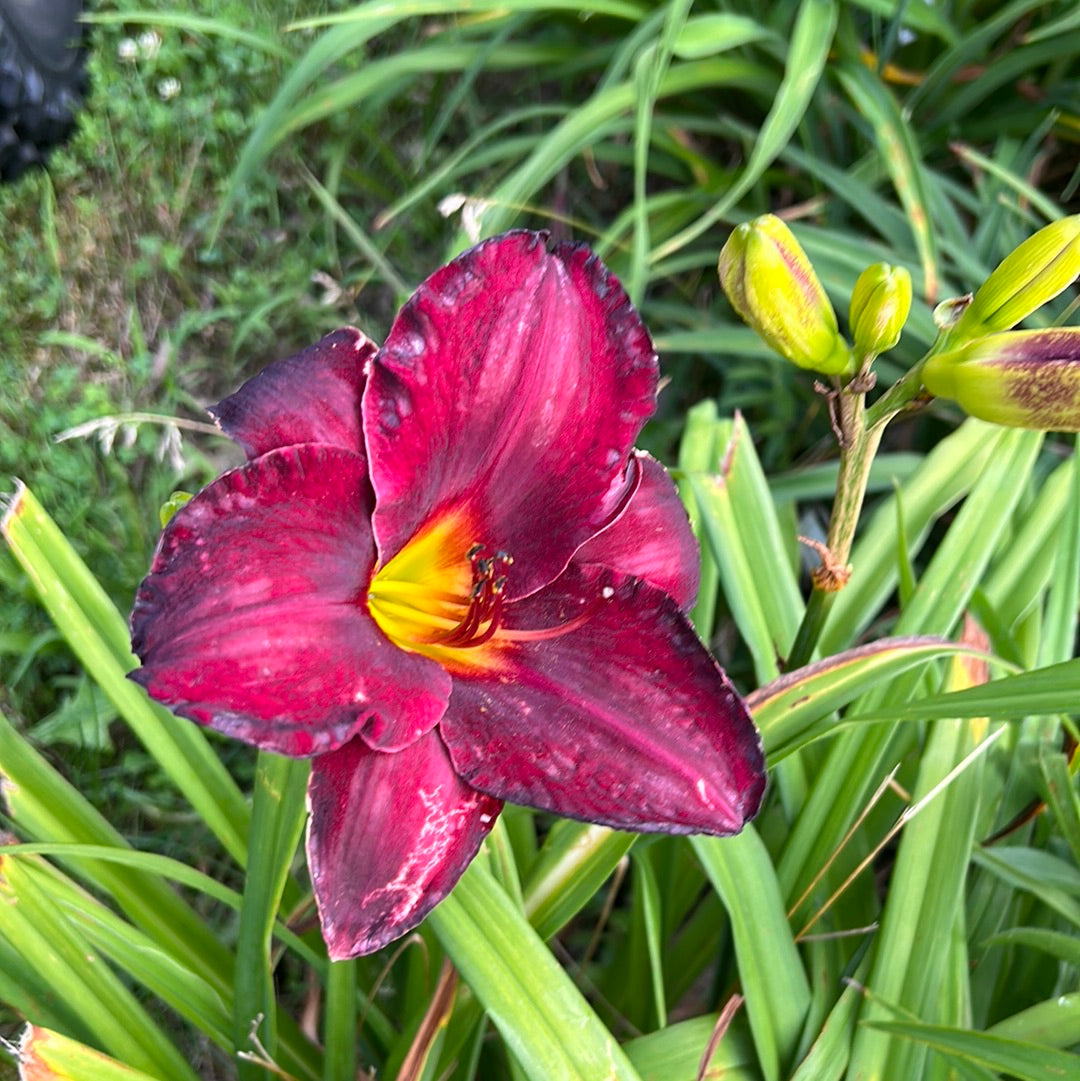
(858, 445)
(861, 430)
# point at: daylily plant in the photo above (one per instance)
(445, 574)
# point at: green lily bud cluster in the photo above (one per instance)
(771, 284)
(880, 303)
(1025, 378)
(1021, 378)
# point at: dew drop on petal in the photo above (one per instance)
(409, 344)
(394, 408)
(454, 286)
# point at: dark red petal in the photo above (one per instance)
(389, 836)
(652, 538)
(253, 619)
(625, 721)
(312, 397)
(514, 382)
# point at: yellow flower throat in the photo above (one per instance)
(436, 599)
(444, 598)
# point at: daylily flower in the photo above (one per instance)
(445, 574)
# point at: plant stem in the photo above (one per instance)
(817, 609)
(901, 394)
(860, 431)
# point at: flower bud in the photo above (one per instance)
(1023, 378)
(773, 287)
(172, 505)
(949, 312)
(880, 303)
(1035, 272)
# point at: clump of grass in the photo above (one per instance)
(113, 303)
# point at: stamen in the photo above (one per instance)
(416, 614)
(484, 614)
(553, 632)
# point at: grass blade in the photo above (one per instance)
(46, 1055)
(1045, 691)
(1055, 1022)
(98, 636)
(107, 1008)
(45, 805)
(811, 38)
(926, 890)
(577, 858)
(676, 1053)
(788, 711)
(898, 148)
(1026, 1061)
(547, 1024)
(277, 820)
(588, 124)
(770, 969)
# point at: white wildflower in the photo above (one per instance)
(149, 44)
(472, 208)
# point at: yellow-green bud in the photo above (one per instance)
(1043, 266)
(1023, 378)
(172, 505)
(773, 287)
(880, 303)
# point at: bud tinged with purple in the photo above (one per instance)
(1038, 270)
(880, 303)
(1023, 379)
(771, 284)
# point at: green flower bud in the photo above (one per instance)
(172, 505)
(880, 303)
(1023, 378)
(1035, 272)
(949, 312)
(773, 287)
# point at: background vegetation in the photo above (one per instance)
(255, 174)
